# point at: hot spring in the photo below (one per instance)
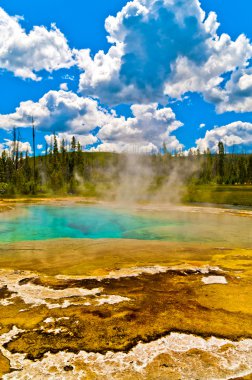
(95, 289)
(43, 222)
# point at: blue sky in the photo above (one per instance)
(163, 85)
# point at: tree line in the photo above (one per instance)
(69, 170)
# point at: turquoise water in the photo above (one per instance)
(39, 222)
(47, 222)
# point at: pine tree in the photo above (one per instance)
(221, 158)
(73, 144)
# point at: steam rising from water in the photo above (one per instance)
(141, 181)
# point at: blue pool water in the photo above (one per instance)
(46, 222)
(40, 222)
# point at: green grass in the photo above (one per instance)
(237, 195)
(220, 194)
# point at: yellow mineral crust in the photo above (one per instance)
(123, 309)
(152, 321)
(176, 356)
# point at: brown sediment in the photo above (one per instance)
(157, 304)
(5, 208)
(87, 257)
(4, 364)
(12, 202)
(45, 199)
(186, 356)
(5, 293)
(155, 289)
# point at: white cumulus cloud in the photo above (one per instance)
(84, 140)
(237, 94)
(146, 131)
(64, 86)
(67, 114)
(8, 146)
(236, 133)
(165, 48)
(26, 54)
(58, 111)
